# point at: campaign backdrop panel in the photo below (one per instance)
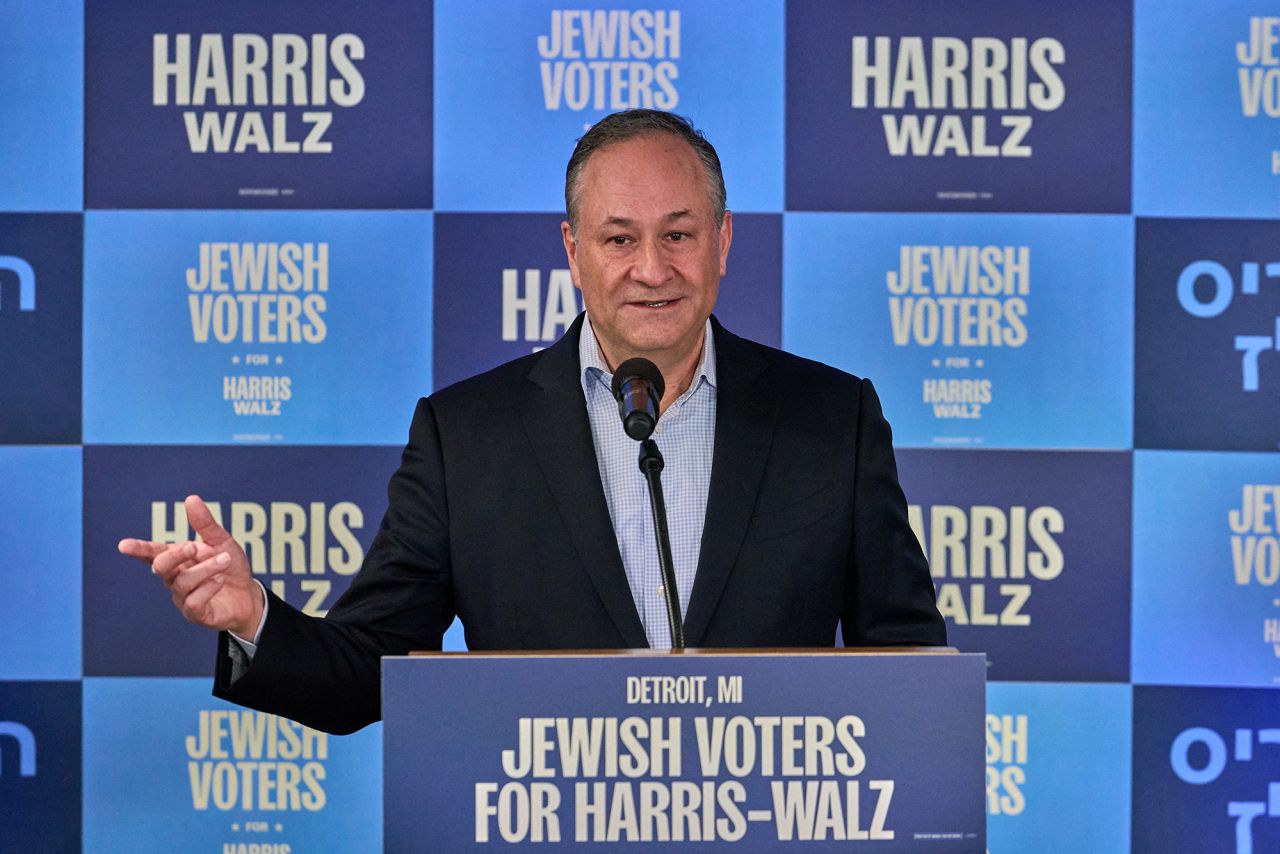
(1207, 338)
(518, 82)
(1206, 770)
(42, 102)
(1058, 771)
(1029, 554)
(495, 305)
(40, 571)
(39, 766)
(169, 768)
(1000, 105)
(305, 328)
(1206, 567)
(993, 331)
(305, 517)
(40, 327)
(295, 104)
(1206, 109)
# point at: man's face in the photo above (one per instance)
(647, 257)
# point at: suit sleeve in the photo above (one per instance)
(889, 597)
(326, 673)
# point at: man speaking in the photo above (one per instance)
(519, 506)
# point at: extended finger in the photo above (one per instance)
(185, 581)
(144, 550)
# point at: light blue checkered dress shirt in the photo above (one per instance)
(686, 437)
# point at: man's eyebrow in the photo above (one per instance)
(671, 217)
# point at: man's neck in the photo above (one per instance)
(677, 371)
(679, 376)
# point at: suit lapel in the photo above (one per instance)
(745, 414)
(555, 418)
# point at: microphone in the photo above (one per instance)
(638, 386)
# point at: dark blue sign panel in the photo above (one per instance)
(1058, 772)
(1205, 126)
(1207, 337)
(305, 517)
(1206, 770)
(40, 572)
(1029, 553)
(494, 306)
(40, 766)
(297, 327)
(974, 106)
(817, 752)
(42, 105)
(169, 768)
(1206, 569)
(40, 267)
(520, 80)
(299, 104)
(972, 326)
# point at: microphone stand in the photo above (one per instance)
(651, 464)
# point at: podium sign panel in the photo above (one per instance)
(761, 750)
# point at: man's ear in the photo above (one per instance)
(726, 237)
(570, 251)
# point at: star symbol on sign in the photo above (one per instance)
(279, 360)
(235, 360)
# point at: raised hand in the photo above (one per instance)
(209, 580)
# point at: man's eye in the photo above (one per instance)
(618, 240)
(677, 236)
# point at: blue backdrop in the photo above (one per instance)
(237, 242)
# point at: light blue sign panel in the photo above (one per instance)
(1058, 767)
(518, 82)
(169, 768)
(1206, 109)
(40, 510)
(1007, 331)
(1206, 568)
(304, 328)
(42, 105)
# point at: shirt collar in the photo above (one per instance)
(592, 360)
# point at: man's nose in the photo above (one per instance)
(651, 265)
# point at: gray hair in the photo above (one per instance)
(629, 124)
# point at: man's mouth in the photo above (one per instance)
(655, 303)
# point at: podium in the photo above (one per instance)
(753, 750)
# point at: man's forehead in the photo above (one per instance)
(658, 175)
(643, 155)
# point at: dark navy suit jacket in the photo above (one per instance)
(497, 515)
